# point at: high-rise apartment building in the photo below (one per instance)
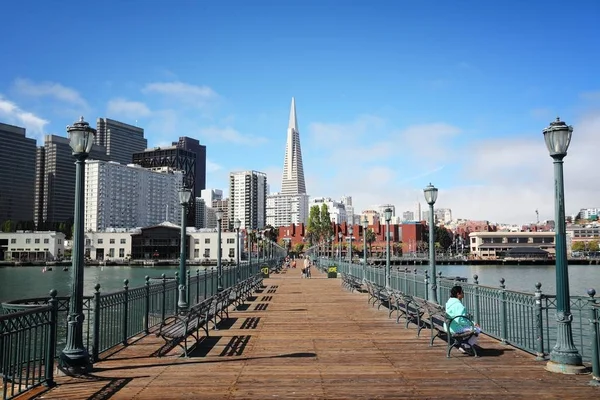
(247, 199)
(121, 140)
(54, 196)
(129, 196)
(287, 209)
(200, 213)
(293, 171)
(17, 174)
(222, 205)
(186, 155)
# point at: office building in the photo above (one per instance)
(120, 140)
(293, 171)
(186, 155)
(247, 199)
(200, 213)
(54, 196)
(129, 196)
(285, 210)
(17, 175)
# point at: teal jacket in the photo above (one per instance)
(455, 308)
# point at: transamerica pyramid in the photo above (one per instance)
(293, 172)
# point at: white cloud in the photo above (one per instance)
(121, 107)
(231, 135)
(26, 87)
(198, 96)
(501, 180)
(212, 166)
(13, 114)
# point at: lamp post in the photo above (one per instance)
(388, 218)
(340, 247)
(564, 357)
(219, 214)
(365, 225)
(431, 193)
(185, 195)
(350, 231)
(75, 357)
(237, 224)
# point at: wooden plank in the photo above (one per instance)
(309, 338)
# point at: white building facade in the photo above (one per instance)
(129, 196)
(284, 209)
(32, 246)
(248, 199)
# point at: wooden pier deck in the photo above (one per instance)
(311, 339)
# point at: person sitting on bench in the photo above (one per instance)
(455, 308)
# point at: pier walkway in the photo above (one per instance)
(309, 338)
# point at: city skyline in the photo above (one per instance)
(444, 97)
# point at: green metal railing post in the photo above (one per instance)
(426, 285)
(476, 302)
(594, 337)
(503, 321)
(51, 350)
(164, 297)
(187, 285)
(198, 286)
(415, 290)
(147, 306)
(205, 283)
(125, 310)
(176, 292)
(96, 328)
(539, 324)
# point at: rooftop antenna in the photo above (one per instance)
(537, 214)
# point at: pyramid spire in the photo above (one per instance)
(293, 171)
(293, 121)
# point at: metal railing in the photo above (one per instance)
(523, 320)
(33, 331)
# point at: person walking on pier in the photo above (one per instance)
(455, 308)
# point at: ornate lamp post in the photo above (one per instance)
(237, 224)
(185, 195)
(388, 218)
(431, 193)
(365, 225)
(564, 357)
(350, 231)
(219, 214)
(340, 235)
(75, 357)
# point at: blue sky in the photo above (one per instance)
(390, 94)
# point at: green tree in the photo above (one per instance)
(443, 237)
(299, 247)
(326, 230)
(371, 237)
(578, 246)
(8, 226)
(593, 245)
(314, 224)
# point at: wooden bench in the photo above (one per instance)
(351, 282)
(406, 307)
(439, 320)
(377, 294)
(177, 328)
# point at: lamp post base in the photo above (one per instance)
(567, 369)
(75, 362)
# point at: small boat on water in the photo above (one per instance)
(65, 268)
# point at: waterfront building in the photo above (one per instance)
(54, 195)
(247, 199)
(284, 209)
(495, 244)
(128, 196)
(121, 140)
(17, 174)
(32, 246)
(186, 155)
